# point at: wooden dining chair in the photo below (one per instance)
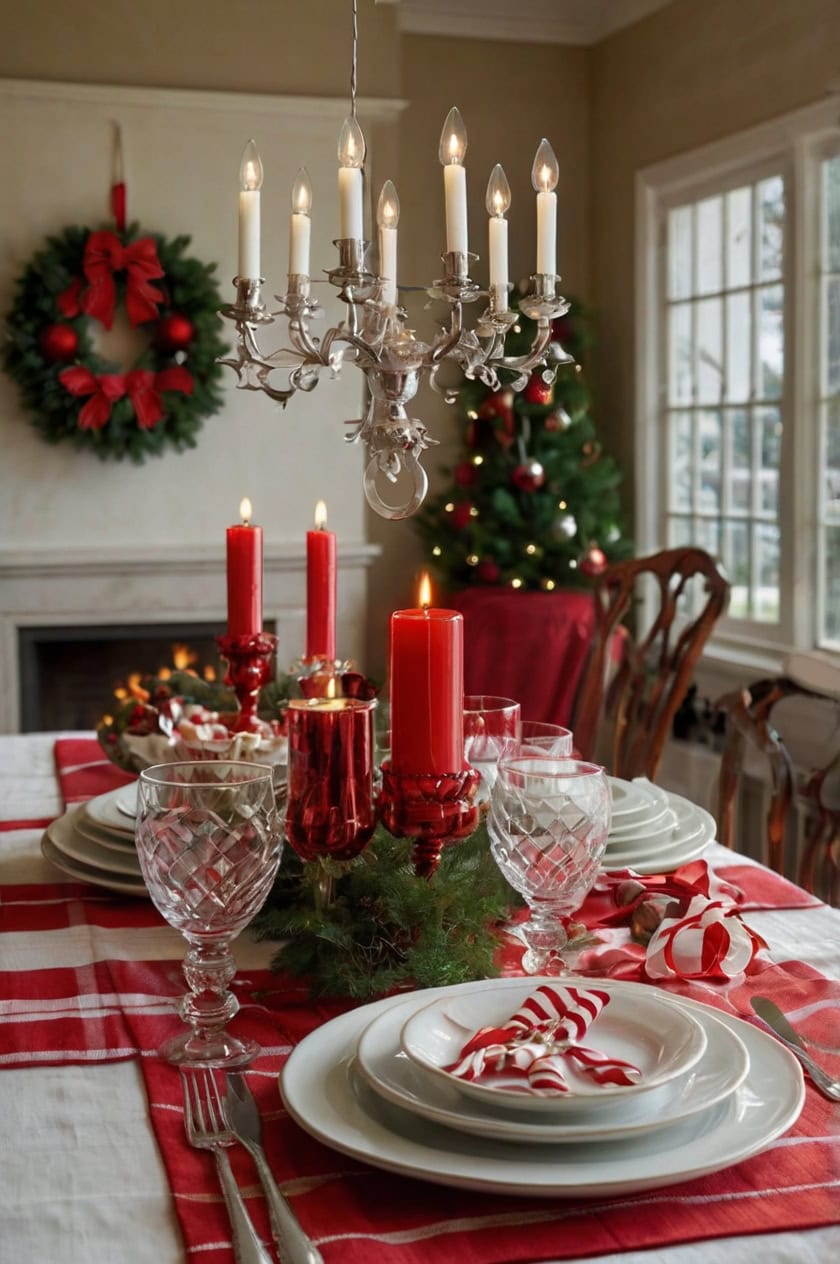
(802, 819)
(624, 711)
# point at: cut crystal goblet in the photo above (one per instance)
(209, 844)
(548, 824)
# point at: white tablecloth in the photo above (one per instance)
(82, 1180)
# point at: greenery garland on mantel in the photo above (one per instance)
(80, 279)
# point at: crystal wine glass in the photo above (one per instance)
(536, 737)
(488, 723)
(548, 825)
(209, 844)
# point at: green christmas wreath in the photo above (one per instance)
(80, 278)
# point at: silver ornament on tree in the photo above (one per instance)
(559, 420)
(564, 527)
(528, 475)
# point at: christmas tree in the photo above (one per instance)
(534, 502)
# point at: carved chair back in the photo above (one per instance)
(625, 721)
(803, 846)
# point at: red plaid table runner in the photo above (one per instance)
(119, 1004)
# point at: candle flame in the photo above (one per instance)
(320, 515)
(245, 510)
(425, 591)
(331, 687)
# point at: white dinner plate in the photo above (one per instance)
(393, 1076)
(69, 840)
(637, 1025)
(324, 1097)
(696, 829)
(660, 830)
(104, 812)
(634, 801)
(126, 800)
(86, 873)
(111, 839)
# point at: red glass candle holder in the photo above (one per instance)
(250, 665)
(434, 808)
(330, 809)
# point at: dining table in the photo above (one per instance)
(96, 1166)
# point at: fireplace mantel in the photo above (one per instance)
(77, 588)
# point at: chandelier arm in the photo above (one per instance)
(449, 341)
(303, 342)
(531, 359)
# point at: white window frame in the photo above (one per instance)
(793, 145)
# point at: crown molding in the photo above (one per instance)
(578, 22)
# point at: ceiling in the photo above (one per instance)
(529, 21)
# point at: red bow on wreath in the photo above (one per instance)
(142, 386)
(104, 256)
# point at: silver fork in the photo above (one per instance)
(206, 1130)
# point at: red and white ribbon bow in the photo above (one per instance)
(709, 942)
(538, 1043)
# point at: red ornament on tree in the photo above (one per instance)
(461, 515)
(488, 572)
(466, 474)
(58, 343)
(538, 391)
(174, 333)
(528, 477)
(594, 561)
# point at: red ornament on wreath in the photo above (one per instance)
(174, 333)
(538, 391)
(528, 477)
(58, 343)
(465, 474)
(593, 562)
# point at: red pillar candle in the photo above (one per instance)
(244, 575)
(427, 689)
(320, 588)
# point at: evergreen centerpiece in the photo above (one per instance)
(534, 501)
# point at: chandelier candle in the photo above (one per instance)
(300, 225)
(351, 157)
(544, 176)
(427, 689)
(250, 179)
(244, 575)
(387, 217)
(498, 202)
(330, 809)
(452, 150)
(320, 588)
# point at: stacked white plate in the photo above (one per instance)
(654, 830)
(95, 842)
(714, 1090)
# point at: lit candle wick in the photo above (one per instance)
(245, 511)
(425, 595)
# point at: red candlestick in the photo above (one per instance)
(427, 691)
(320, 588)
(244, 575)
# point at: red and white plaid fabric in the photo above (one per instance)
(113, 1002)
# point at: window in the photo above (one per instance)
(738, 419)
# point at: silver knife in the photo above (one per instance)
(243, 1119)
(770, 1014)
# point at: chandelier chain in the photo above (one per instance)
(354, 59)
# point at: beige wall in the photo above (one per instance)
(691, 73)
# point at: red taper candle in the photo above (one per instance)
(320, 588)
(427, 688)
(244, 575)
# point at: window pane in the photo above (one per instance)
(738, 346)
(771, 212)
(740, 461)
(681, 376)
(709, 351)
(771, 348)
(831, 586)
(736, 559)
(832, 335)
(707, 535)
(770, 438)
(831, 193)
(766, 601)
(739, 237)
(682, 449)
(680, 533)
(680, 239)
(709, 234)
(832, 460)
(710, 439)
